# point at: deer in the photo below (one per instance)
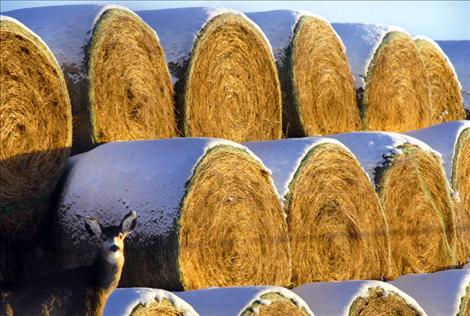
(79, 291)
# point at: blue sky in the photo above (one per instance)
(439, 20)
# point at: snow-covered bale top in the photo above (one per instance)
(237, 301)
(180, 188)
(347, 298)
(125, 301)
(440, 293)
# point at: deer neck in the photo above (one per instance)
(107, 273)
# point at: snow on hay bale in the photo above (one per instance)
(36, 129)
(393, 91)
(336, 225)
(246, 301)
(227, 84)
(351, 298)
(115, 68)
(146, 301)
(440, 293)
(452, 141)
(209, 214)
(415, 195)
(317, 83)
(459, 54)
(446, 99)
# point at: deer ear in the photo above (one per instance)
(93, 226)
(129, 222)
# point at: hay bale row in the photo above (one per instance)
(394, 92)
(415, 195)
(452, 141)
(36, 130)
(351, 298)
(226, 79)
(246, 301)
(336, 225)
(146, 302)
(209, 214)
(440, 293)
(317, 83)
(116, 72)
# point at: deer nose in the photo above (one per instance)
(114, 248)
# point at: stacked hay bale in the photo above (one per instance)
(393, 90)
(247, 301)
(446, 100)
(226, 79)
(146, 301)
(459, 54)
(351, 298)
(415, 195)
(452, 141)
(440, 293)
(336, 225)
(36, 129)
(209, 214)
(317, 83)
(115, 69)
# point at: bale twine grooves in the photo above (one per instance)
(231, 88)
(446, 100)
(130, 91)
(321, 82)
(397, 93)
(234, 235)
(36, 129)
(336, 225)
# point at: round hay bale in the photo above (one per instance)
(246, 301)
(146, 302)
(336, 225)
(317, 83)
(209, 214)
(416, 198)
(351, 298)
(393, 90)
(459, 54)
(440, 293)
(119, 83)
(227, 83)
(452, 141)
(36, 129)
(446, 100)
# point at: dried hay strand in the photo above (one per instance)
(36, 129)
(146, 302)
(350, 298)
(415, 195)
(397, 93)
(130, 91)
(231, 87)
(440, 293)
(209, 214)
(321, 81)
(337, 228)
(247, 301)
(452, 141)
(446, 100)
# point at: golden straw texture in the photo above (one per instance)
(321, 82)
(279, 306)
(36, 129)
(130, 91)
(336, 224)
(232, 88)
(397, 93)
(416, 198)
(446, 100)
(232, 230)
(379, 302)
(163, 308)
